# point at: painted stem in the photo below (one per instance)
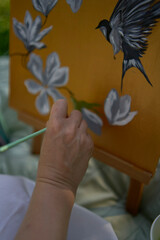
(12, 144)
(44, 21)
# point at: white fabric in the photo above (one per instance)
(15, 193)
(85, 225)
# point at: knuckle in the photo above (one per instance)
(69, 133)
(83, 140)
(76, 112)
(85, 125)
(55, 126)
(76, 115)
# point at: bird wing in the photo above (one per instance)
(116, 33)
(132, 21)
(118, 8)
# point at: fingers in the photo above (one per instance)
(59, 110)
(75, 118)
(76, 121)
(85, 137)
(73, 122)
(83, 127)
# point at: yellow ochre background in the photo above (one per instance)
(93, 72)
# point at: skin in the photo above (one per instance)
(64, 157)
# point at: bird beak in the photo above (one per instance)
(97, 27)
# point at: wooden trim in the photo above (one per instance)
(134, 196)
(123, 166)
(37, 124)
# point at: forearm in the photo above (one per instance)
(64, 157)
(48, 214)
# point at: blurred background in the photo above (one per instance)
(18, 160)
(4, 27)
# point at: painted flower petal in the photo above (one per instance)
(38, 45)
(52, 64)
(50, 6)
(75, 4)
(124, 107)
(28, 20)
(32, 86)
(38, 5)
(111, 106)
(36, 27)
(93, 120)
(19, 30)
(59, 77)
(44, 6)
(43, 33)
(126, 120)
(42, 103)
(55, 94)
(35, 66)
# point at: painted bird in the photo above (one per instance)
(127, 30)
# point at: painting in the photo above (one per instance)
(111, 75)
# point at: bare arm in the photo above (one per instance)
(65, 152)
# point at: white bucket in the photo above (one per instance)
(155, 229)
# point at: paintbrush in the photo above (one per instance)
(12, 144)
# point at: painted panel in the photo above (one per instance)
(56, 51)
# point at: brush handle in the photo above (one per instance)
(12, 144)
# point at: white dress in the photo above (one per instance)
(15, 194)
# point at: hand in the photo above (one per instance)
(65, 150)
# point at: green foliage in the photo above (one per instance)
(4, 26)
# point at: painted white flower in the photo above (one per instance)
(50, 79)
(117, 109)
(44, 6)
(93, 120)
(29, 32)
(75, 4)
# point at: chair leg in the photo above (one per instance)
(36, 144)
(134, 196)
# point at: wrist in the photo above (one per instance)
(51, 176)
(55, 193)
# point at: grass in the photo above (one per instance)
(4, 26)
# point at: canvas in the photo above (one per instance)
(103, 56)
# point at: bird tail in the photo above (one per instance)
(128, 63)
